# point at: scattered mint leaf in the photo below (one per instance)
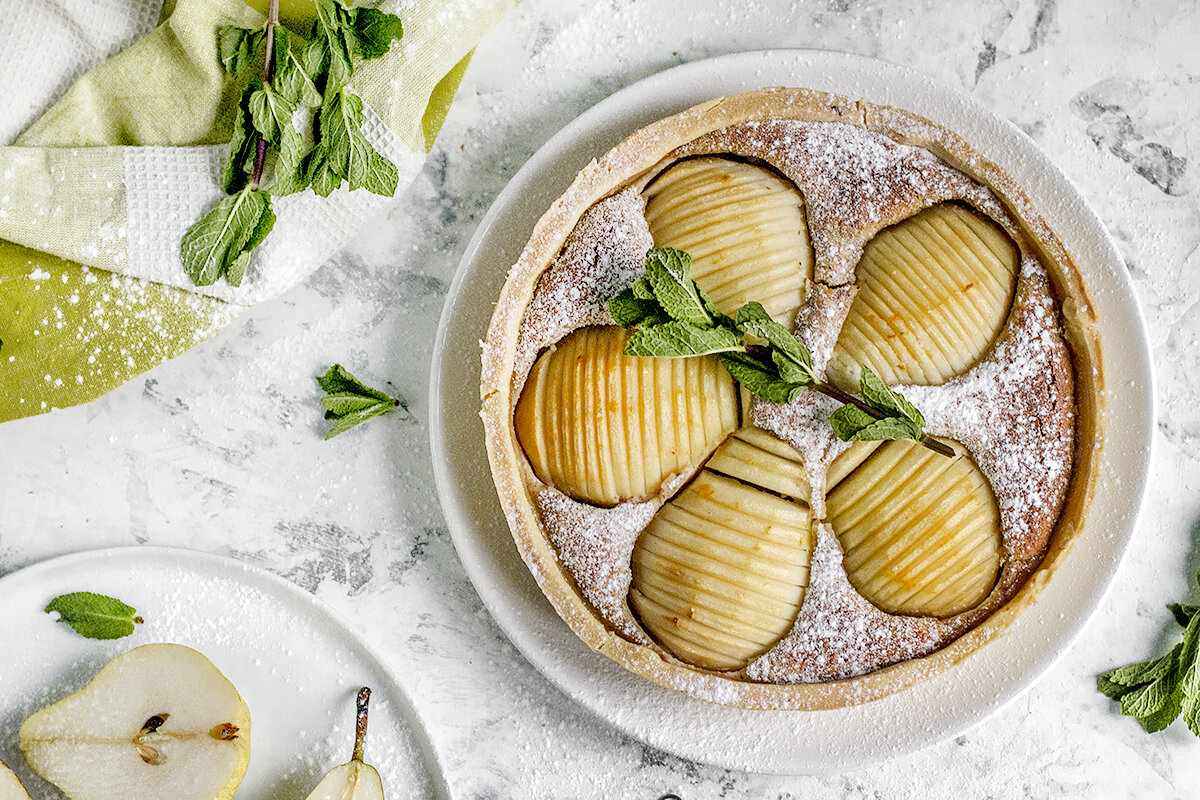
(349, 402)
(221, 242)
(1156, 692)
(95, 616)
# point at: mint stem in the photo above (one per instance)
(260, 152)
(845, 397)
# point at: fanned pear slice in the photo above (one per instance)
(159, 721)
(744, 228)
(754, 456)
(720, 572)
(934, 291)
(10, 787)
(604, 427)
(920, 531)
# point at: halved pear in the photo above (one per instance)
(720, 572)
(159, 721)
(744, 228)
(604, 427)
(354, 780)
(10, 787)
(934, 291)
(920, 531)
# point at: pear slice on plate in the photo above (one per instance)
(604, 427)
(744, 228)
(720, 572)
(159, 721)
(10, 787)
(356, 779)
(934, 291)
(920, 531)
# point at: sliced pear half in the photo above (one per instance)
(934, 292)
(604, 427)
(159, 721)
(744, 228)
(10, 787)
(920, 531)
(720, 572)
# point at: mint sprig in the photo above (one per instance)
(322, 148)
(1158, 691)
(96, 616)
(674, 318)
(349, 402)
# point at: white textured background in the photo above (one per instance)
(221, 450)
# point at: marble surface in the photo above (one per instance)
(221, 450)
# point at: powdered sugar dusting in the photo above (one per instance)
(603, 255)
(837, 633)
(596, 546)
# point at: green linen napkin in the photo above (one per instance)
(77, 319)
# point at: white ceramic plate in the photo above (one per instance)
(777, 741)
(297, 666)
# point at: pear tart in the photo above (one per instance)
(733, 548)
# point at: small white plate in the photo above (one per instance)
(775, 741)
(297, 666)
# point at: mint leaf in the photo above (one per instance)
(220, 243)
(350, 402)
(238, 48)
(242, 147)
(880, 396)
(789, 354)
(642, 290)
(1158, 691)
(373, 32)
(95, 616)
(294, 74)
(1183, 613)
(760, 378)
(677, 339)
(668, 273)
(271, 113)
(630, 311)
(332, 21)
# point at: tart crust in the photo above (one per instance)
(706, 129)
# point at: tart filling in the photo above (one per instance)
(735, 548)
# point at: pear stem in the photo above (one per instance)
(360, 724)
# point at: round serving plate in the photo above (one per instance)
(295, 663)
(787, 742)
